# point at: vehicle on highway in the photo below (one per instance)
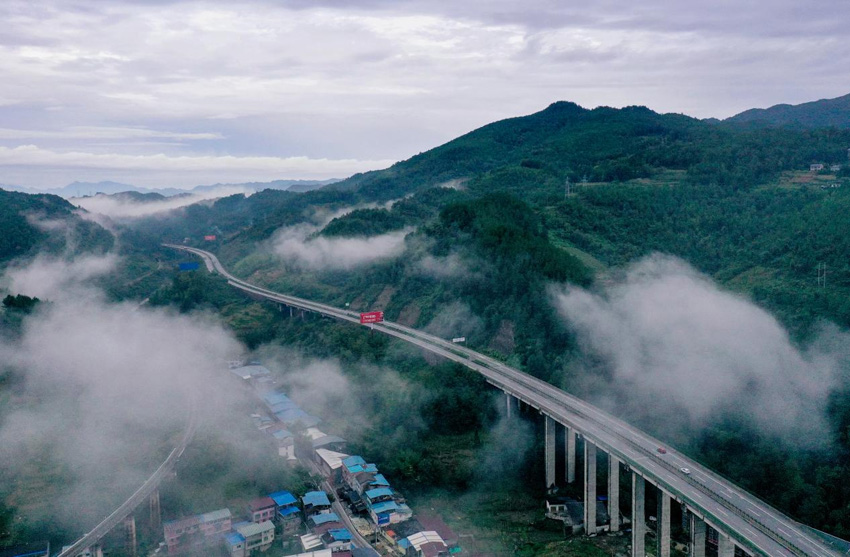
(661, 450)
(685, 470)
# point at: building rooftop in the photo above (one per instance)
(261, 503)
(379, 492)
(331, 458)
(380, 481)
(323, 518)
(252, 529)
(327, 440)
(212, 516)
(283, 498)
(286, 511)
(234, 538)
(310, 541)
(180, 523)
(437, 524)
(385, 506)
(316, 498)
(339, 535)
(422, 538)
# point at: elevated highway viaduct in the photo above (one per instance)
(744, 523)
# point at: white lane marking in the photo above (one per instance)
(750, 531)
(722, 511)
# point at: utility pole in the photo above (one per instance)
(821, 274)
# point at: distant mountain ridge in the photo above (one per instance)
(824, 113)
(82, 189)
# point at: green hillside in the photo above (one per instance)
(824, 113)
(45, 223)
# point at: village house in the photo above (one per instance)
(195, 531)
(262, 509)
(288, 513)
(315, 502)
(257, 536)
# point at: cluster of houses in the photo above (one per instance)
(358, 483)
(279, 415)
(278, 511)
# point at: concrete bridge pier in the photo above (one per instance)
(696, 547)
(550, 426)
(570, 453)
(613, 493)
(156, 511)
(638, 516)
(663, 534)
(725, 545)
(589, 487)
(130, 535)
(509, 400)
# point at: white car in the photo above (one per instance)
(685, 470)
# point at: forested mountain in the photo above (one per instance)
(824, 113)
(46, 223)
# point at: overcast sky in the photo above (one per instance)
(159, 93)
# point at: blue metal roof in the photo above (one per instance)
(379, 492)
(380, 481)
(283, 498)
(353, 461)
(323, 518)
(316, 498)
(384, 506)
(340, 535)
(286, 511)
(282, 434)
(234, 538)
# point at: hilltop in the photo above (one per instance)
(823, 113)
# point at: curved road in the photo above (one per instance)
(147, 488)
(750, 522)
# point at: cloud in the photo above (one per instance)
(32, 155)
(55, 278)
(451, 266)
(300, 247)
(106, 388)
(681, 351)
(123, 208)
(102, 133)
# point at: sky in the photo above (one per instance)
(175, 94)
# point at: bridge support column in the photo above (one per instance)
(589, 487)
(725, 546)
(638, 516)
(697, 543)
(663, 515)
(156, 511)
(130, 535)
(570, 450)
(614, 493)
(290, 311)
(510, 404)
(550, 451)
